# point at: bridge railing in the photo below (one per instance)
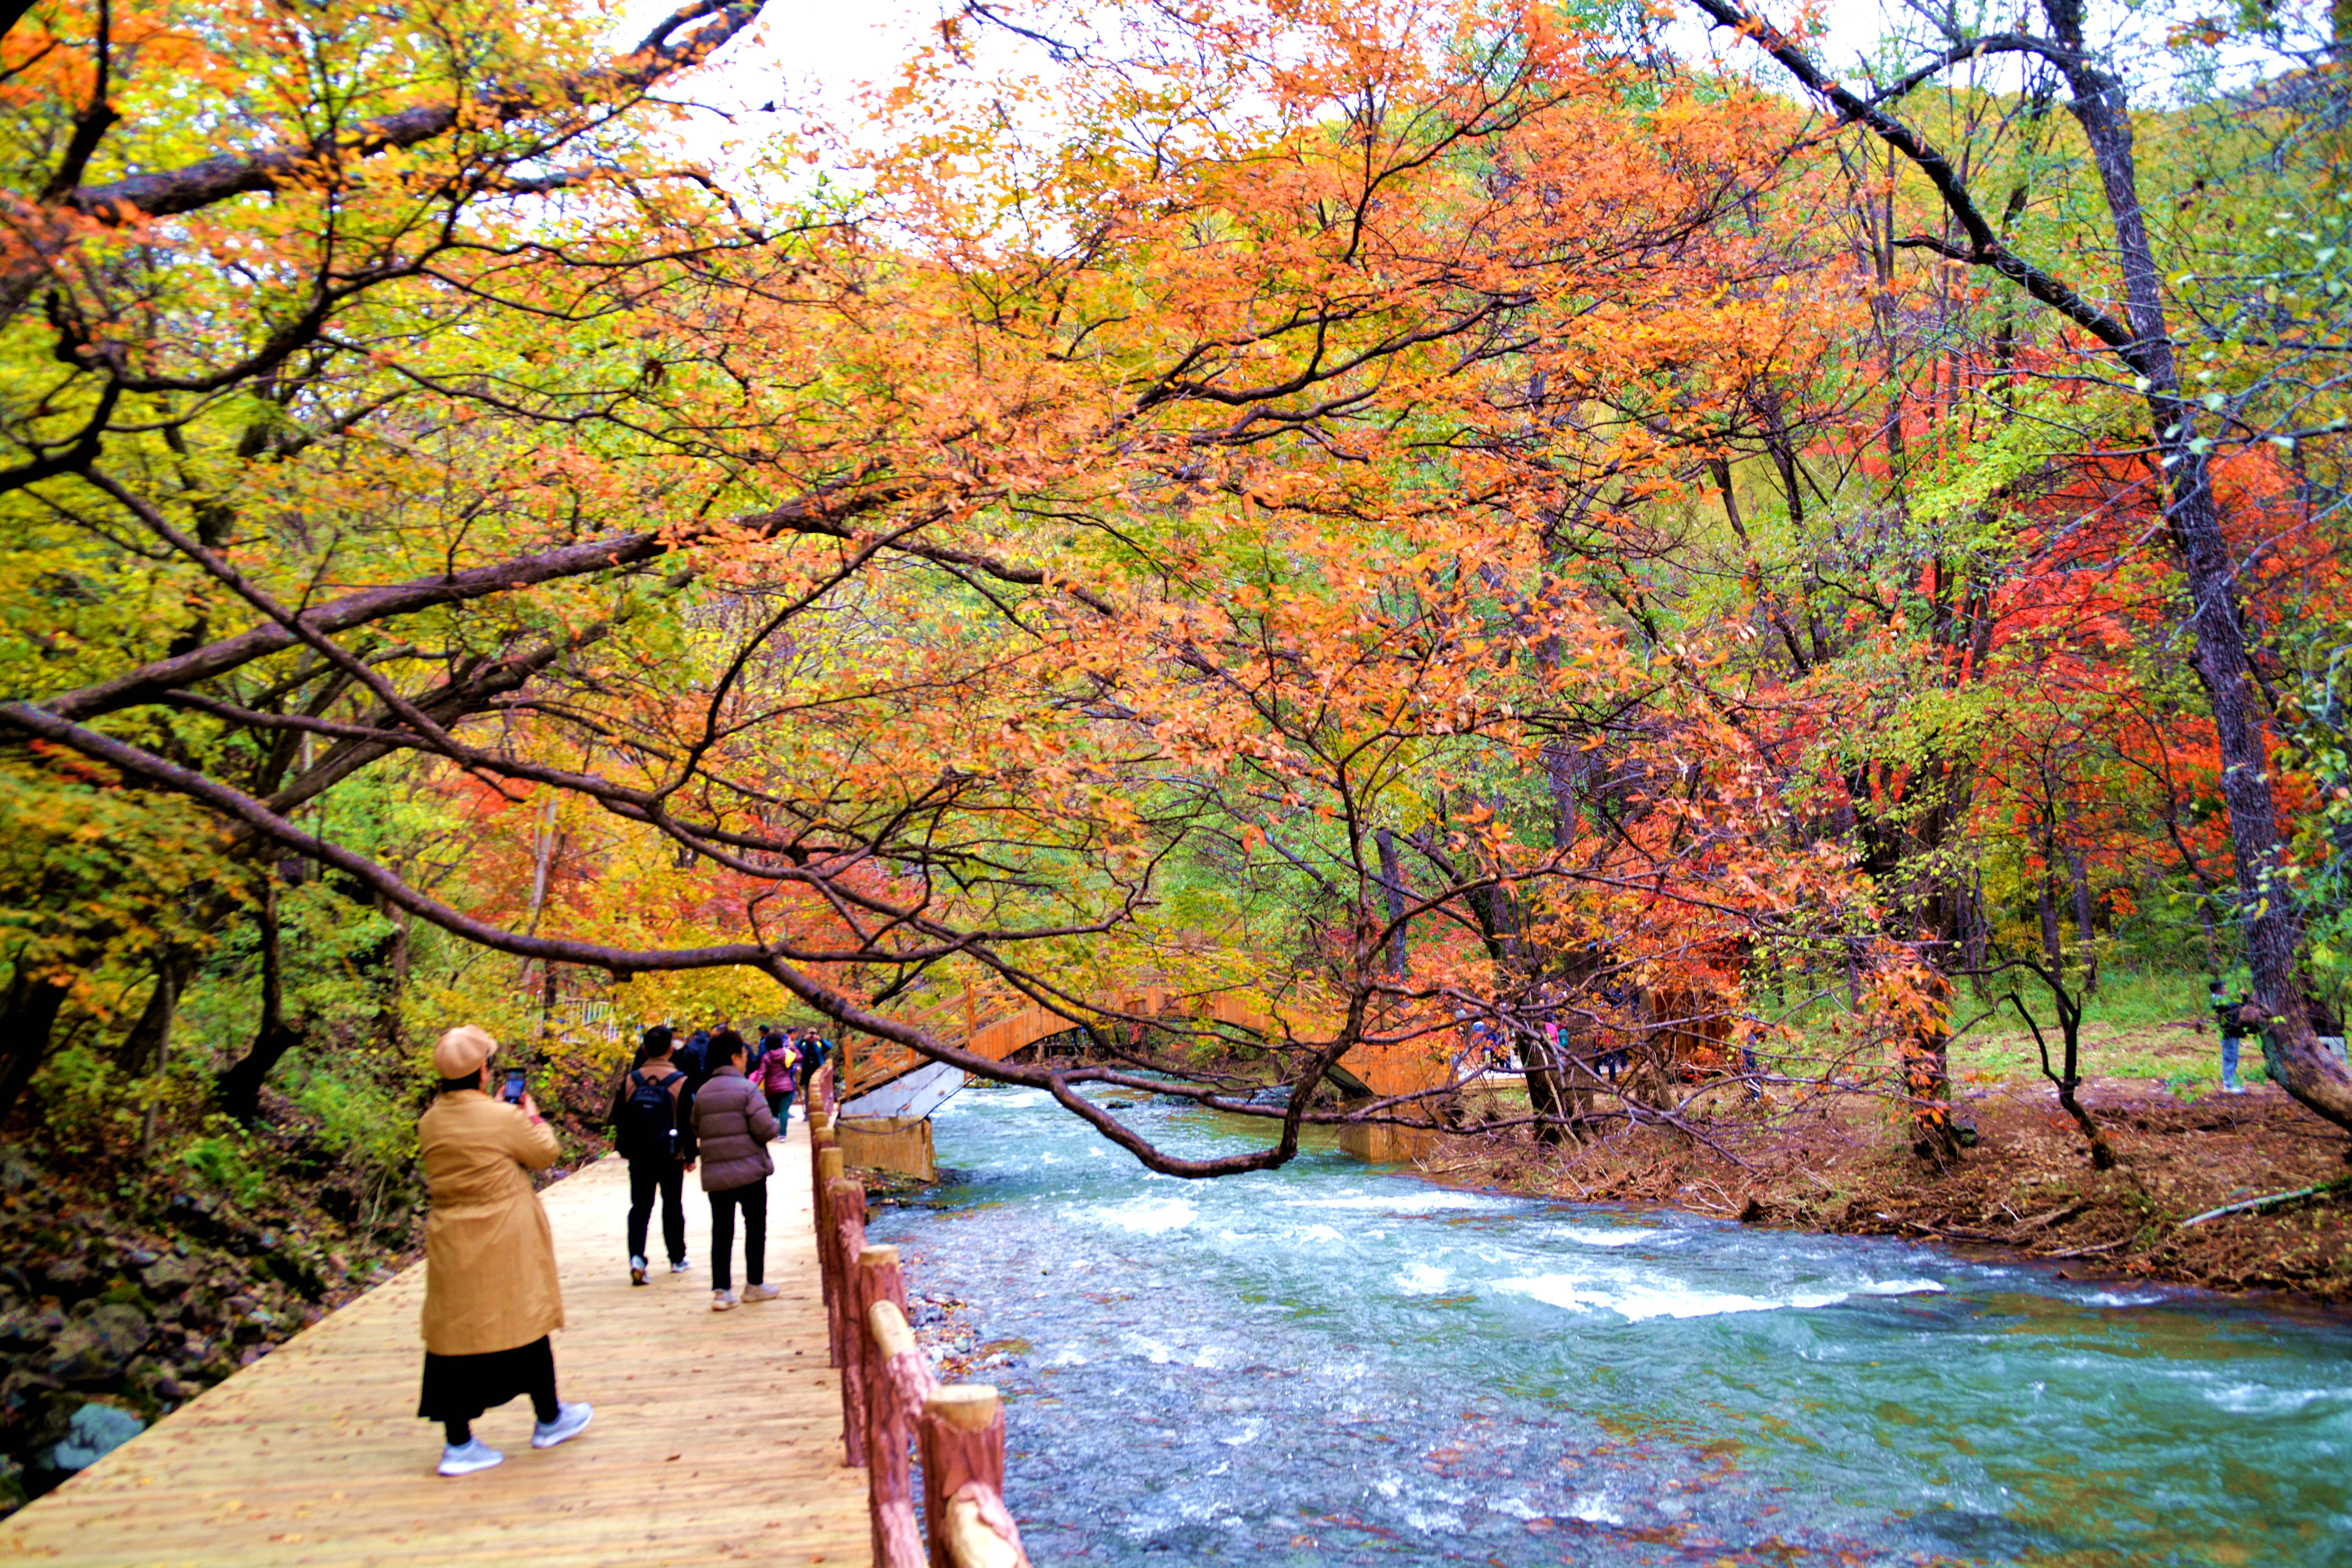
(889, 1400)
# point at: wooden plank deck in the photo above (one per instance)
(717, 1437)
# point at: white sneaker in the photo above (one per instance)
(636, 1270)
(760, 1293)
(679, 1267)
(722, 1301)
(571, 1420)
(476, 1455)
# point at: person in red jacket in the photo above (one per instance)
(778, 1076)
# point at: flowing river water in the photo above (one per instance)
(1335, 1364)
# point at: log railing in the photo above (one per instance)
(890, 1401)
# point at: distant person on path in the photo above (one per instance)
(690, 1059)
(490, 1291)
(778, 1075)
(815, 1051)
(2235, 1024)
(733, 1129)
(648, 1117)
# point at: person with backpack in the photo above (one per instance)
(732, 1129)
(649, 1116)
(777, 1074)
(812, 1054)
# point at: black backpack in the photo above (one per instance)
(648, 1118)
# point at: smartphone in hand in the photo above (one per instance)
(512, 1092)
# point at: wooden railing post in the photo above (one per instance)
(829, 1261)
(878, 1280)
(906, 1384)
(962, 1437)
(821, 1144)
(847, 1200)
(887, 1421)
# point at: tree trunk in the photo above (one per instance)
(240, 1086)
(2085, 929)
(27, 1021)
(1924, 1054)
(2045, 907)
(1392, 882)
(388, 1019)
(1546, 1095)
(142, 1049)
(2274, 923)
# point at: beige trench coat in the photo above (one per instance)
(490, 1258)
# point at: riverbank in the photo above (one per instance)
(2027, 1187)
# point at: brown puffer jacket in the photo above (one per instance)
(732, 1126)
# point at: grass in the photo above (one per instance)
(2139, 1026)
(2152, 1024)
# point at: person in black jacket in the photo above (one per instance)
(688, 1057)
(648, 1118)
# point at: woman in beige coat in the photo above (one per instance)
(491, 1292)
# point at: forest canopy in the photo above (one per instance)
(1459, 524)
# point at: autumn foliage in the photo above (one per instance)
(1427, 516)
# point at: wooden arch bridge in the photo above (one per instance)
(890, 1090)
(999, 1030)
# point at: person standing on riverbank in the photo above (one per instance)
(732, 1129)
(2232, 1019)
(490, 1293)
(647, 1118)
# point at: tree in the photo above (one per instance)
(886, 572)
(2140, 339)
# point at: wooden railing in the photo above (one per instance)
(890, 1401)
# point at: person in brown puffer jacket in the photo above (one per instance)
(732, 1129)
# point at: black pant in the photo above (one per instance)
(666, 1175)
(753, 1201)
(460, 1387)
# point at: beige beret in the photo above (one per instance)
(461, 1052)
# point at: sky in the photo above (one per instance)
(814, 51)
(807, 59)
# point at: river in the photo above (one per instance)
(1334, 1364)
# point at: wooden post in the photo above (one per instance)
(878, 1280)
(880, 1284)
(847, 1202)
(906, 1384)
(963, 1481)
(827, 1160)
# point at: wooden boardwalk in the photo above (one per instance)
(717, 1437)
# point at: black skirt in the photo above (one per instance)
(460, 1387)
